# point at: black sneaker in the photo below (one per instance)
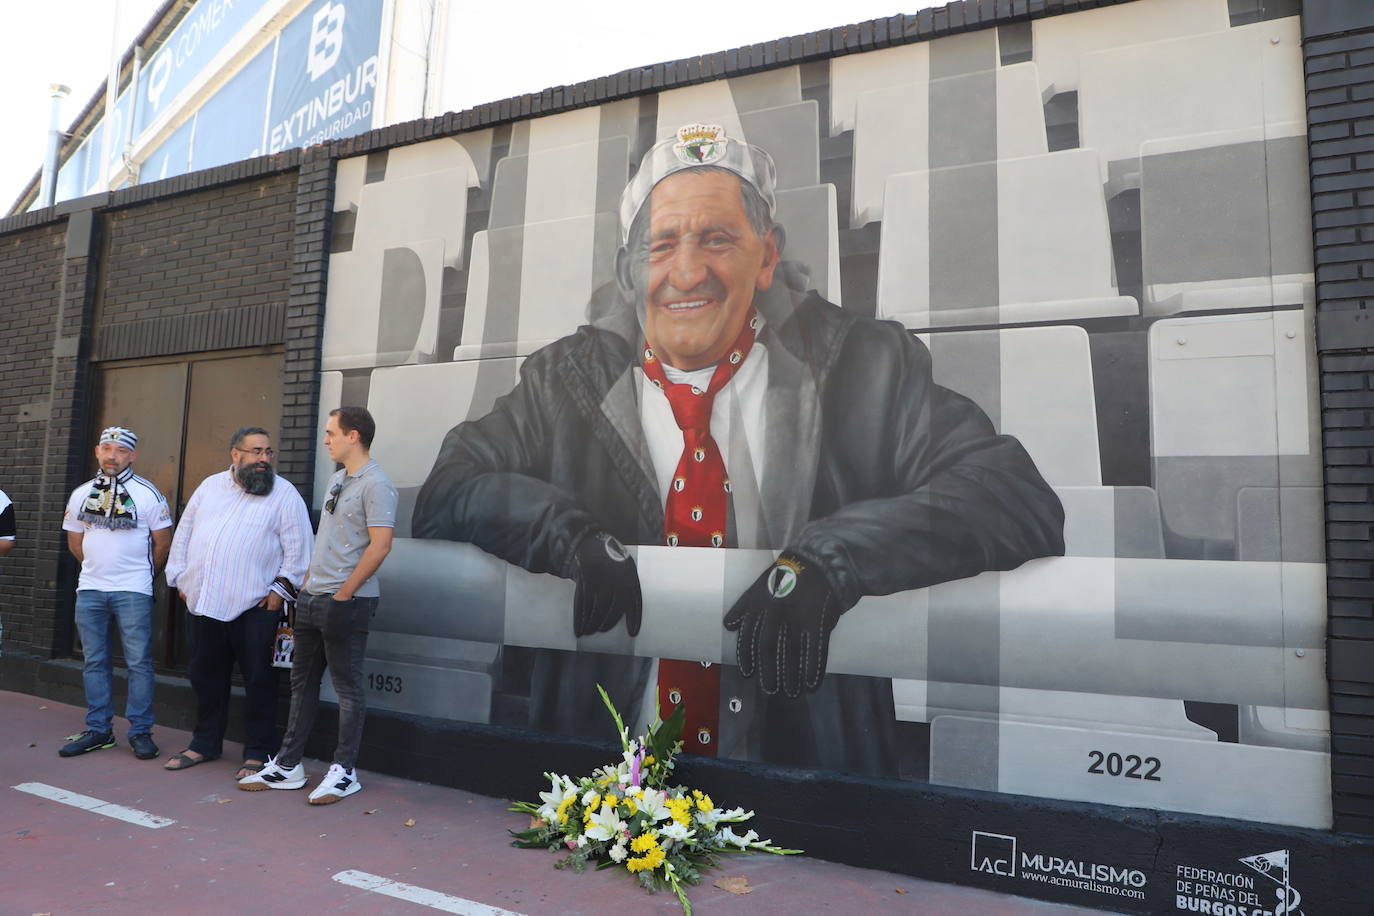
(89, 740)
(143, 746)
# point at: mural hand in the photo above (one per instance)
(607, 586)
(782, 624)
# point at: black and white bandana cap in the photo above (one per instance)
(119, 435)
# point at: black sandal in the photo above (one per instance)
(251, 768)
(183, 762)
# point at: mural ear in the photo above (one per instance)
(624, 273)
(772, 256)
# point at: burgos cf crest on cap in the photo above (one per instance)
(700, 144)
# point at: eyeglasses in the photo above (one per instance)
(257, 452)
(333, 498)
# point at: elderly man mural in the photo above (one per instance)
(722, 406)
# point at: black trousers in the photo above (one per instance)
(333, 634)
(216, 645)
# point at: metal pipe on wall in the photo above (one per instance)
(48, 191)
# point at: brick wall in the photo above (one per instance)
(1339, 55)
(200, 262)
(202, 271)
(30, 286)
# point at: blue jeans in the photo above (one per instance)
(134, 612)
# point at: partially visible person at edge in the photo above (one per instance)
(240, 551)
(119, 529)
(8, 532)
(335, 610)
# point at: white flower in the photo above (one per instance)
(588, 797)
(561, 788)
(604, 824)
(651, 805)
(726, 835)
(618, 853)
(679, 832)
(709, 819)
(581, 841)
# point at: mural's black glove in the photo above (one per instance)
(607, 586)
(784, 621)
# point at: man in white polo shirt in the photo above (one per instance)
(119, 529)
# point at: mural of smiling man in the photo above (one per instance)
(723, 404)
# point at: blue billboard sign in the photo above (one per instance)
(172, 158)
(197, 39)
(229, 125)
(327, 68)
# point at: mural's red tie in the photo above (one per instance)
(695, 515)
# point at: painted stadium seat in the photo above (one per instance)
(1054, 256)
(1226, 226)
(809, 217)
(1230, 409)
(531, 284)
(791, 135)
(1242, 83)
(389, 281)
(1061, 41)
(1035, 384)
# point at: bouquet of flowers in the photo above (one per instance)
(627, 815)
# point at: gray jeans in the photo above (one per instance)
(333, 634)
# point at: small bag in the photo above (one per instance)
(284, 649)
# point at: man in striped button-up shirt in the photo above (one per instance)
(241, 549)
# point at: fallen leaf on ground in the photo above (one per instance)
(734, 885)
(323, 835)
(370, 811)
(32, 744)
(410, 822)
(43, 707)
(224, 801)
(901, 890)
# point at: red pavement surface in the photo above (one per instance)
(237, 852)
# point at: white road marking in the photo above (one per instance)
(421, 895)
(94, 805)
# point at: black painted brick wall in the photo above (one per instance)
(30, 285)
(224, 247)
(314, 193)
(1340, 100)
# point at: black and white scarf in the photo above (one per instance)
(109, 504)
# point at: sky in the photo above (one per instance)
(491, 52)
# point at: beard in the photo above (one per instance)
(256, 479)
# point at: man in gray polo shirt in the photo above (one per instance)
(335, 608)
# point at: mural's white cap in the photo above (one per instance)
(694, 146)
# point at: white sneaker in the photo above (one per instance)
(274, 776)
(337, 783)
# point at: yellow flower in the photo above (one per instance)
(703, 801)
(563, 807)
(681, 809)
(612, 800)
(594, 803)
(648, 759)
(644, 842)
(633, 806)
(647, 862)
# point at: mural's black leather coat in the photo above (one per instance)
(912, 485)
(907, 485)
